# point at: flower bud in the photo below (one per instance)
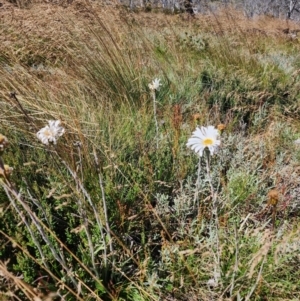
(7, 170)
(221, 127)
(3, 142)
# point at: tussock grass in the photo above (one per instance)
(109, 213)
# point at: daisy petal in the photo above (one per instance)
(204, 137)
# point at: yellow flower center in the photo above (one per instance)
(208, 141)
(48, 133)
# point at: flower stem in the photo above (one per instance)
(155, 118)
(214, 225)
(196, 196)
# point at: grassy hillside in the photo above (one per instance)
(120, 208)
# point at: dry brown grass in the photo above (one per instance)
(45, 33)
(232, 20)
(47, 21)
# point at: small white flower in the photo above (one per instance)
(211, 283)
(204, 137)
(297, 142)
(155, 84)
(50, 132)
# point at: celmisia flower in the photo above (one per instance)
(155, 84)
(204, 137)
(50, 132)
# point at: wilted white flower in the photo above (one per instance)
(155, 84)
(212, 283)
(50, 132)
(204, 137)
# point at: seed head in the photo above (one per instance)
(273, 197)
(221, 127)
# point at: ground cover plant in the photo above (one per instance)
(104, 194)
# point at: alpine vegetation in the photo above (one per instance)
(183, 187)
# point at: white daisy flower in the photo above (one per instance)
(155, 84)
(50, 132)
(204, 137)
